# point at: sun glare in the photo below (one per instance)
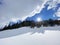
(39, 19)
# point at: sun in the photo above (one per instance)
(39, 19)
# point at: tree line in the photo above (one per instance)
(32, 24)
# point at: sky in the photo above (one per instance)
(16, 9)
(20, 9)
(47, 12)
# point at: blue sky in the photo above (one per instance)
(45, 13)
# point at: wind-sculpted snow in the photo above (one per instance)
(25, 30)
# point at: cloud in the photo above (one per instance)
(58, 13)
(16, 9)
(37, 9)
